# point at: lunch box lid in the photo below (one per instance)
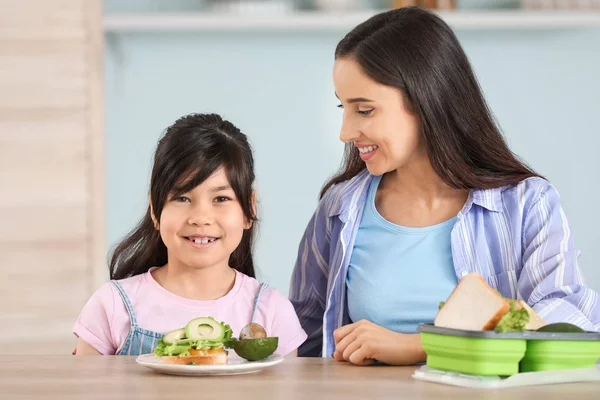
(527, 335)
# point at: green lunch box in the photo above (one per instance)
(504, 354)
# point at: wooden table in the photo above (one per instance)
(112, 377)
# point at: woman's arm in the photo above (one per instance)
(550, 280)
(308, 287)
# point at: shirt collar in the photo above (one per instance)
(351, 193)
(490, 199)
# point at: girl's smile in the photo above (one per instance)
(201, 242)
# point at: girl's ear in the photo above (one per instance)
(154, 220)
(249, 223)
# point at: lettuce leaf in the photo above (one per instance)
(177, 349)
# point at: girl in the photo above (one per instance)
(191, 254)
(429, 192)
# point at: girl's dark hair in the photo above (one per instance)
(189, 152)
(413, 50)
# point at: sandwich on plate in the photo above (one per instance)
(203, 341)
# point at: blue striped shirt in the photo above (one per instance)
(517, 237)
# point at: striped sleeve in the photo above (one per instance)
(551, 281)
(309, 279)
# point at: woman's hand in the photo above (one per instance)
(364, 343)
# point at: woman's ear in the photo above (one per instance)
(253, 208)
(154, 220)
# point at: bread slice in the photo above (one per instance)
(212, 359)
(473, 305)
(535, 321)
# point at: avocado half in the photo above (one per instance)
(256, 349)
(174, 336)
(205, 328)
(561, 327)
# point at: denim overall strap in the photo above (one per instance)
(256, 299)
(127, 302)
(138, 341)
(126, 349)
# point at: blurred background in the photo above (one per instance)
(87, 88)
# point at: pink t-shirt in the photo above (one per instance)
(104, 322)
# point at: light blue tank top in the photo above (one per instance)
(397, 275)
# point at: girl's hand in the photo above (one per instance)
(364, 343)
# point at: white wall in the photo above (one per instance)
(543, 86)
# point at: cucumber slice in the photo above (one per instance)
(205, 328)
(174, 336)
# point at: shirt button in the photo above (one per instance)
(464, 273)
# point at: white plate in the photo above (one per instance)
(234, 366)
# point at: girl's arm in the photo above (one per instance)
(293, 354)
(550, 280)
(93, 326)
(309, 280)
(84, 349)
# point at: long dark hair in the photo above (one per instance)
(415, 51)
(189, 152)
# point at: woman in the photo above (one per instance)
(428, 192)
